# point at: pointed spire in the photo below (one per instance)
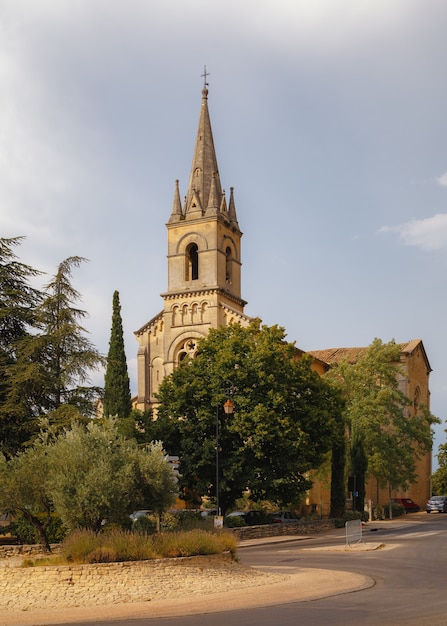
(204, 162)
(223, 205)
(232, 209)
(177, 213)
(213, 201)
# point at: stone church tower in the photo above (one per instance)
(204, 270)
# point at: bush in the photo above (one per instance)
(187, 519)
(26, 533)
(396, 509)
(84, 546)
(340, 522)
(237, 521)
(148, 525)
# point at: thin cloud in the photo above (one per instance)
(442, 180)
(428, 234)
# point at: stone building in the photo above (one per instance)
(204, 270)
(414, 383)
(204, 291)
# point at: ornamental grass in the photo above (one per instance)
(85, 546)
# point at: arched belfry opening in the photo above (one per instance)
(228, 265)
(192, 262)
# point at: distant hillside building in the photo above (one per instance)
(204, 291)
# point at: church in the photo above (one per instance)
(204, 291)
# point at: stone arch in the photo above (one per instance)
(191, 238)
(185, 345)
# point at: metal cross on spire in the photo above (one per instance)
(204, 75)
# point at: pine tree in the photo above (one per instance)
(117, 398)
(51, 374)
(18, 301)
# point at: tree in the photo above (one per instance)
(338, 463)
(23, 480)
(359, 468)
(96, 475)
(282, 423)
(439, 477)
(378, 412)
(85, 475)
(18, 301)
(117, 398)
(52, 369)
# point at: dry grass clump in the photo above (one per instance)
(84, 546)
(194, 542)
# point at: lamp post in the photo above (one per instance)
(228, 408)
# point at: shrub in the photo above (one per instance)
(396, 509)
(84, 546)
(348, 516)
(148, 525)
(26, 533)
(237, 521)
(78, 545)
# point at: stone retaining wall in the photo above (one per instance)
(280, 530)
(22, 589)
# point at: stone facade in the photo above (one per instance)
(204, 291)
(414, 383)
(204, 270)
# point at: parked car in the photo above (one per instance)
(284, 517)
(252, 517)
(408, 504)
(437, 503)
(208, 513)
(139, 514)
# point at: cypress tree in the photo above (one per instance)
(117, 398)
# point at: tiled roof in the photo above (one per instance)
(335, 355)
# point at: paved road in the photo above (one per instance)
(409, 575)
(406, 581)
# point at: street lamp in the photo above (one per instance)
(228, 408)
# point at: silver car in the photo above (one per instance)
(437, 503)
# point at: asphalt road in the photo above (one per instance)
(410, 576)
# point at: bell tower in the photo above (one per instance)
(204, 269)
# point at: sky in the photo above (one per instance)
(329, 120)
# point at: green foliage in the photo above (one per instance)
(281, 427)
(359, 467)
(26, 533)
(87, 475)
(147, 524)
(18, 301)
(236, 521)
(117, 398)
(348, 516)
(394, 437)
(396, 510)
(51, 370)
(23, 480)
(98, 475)
(439, 477)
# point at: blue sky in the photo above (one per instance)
(328, 120)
